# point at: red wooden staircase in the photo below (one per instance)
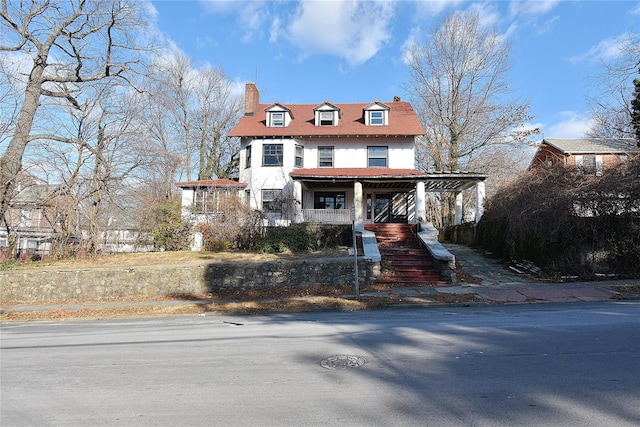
(404, 260)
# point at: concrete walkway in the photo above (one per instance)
(498, 284)
(491, 282)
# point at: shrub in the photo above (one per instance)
(212, 239)
(567, 223)
(171, 232)
(294, 238)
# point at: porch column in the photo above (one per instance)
(480, 194)
(297, 194)
(458, 219)
(421, 209)
(357, 205)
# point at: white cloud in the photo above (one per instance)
(435, 7)
(607, 49)
(572, 124)
(353, 30)
(412, 40)
(532, 7)
(487, 13)
(251, 15)
(221, 5)
(275, 30)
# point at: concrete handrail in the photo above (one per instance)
(445, 261)
(370, 246)
(428, 235)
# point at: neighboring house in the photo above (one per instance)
(37, 214)
(337, 163)
(122, 234)
(590, 156)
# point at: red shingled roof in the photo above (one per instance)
(211, 183)
(402, 122)
(356, 173)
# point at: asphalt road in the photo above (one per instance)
(551, 364)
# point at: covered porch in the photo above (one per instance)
(377, 195)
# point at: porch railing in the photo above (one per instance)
(327, 216)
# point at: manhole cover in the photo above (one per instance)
(342, 362)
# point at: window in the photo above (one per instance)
(325, 157)
(248, 157)
(272, 200)
(272, 155)
(210, 200)
(334, 200)
(376, 118)
(377, 157)
(299, 154)
(624, 163)
(589, 164)
(326, 118)
(277, 120)
(25, 218)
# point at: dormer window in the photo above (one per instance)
(326, 115)
(278, 116)
(376, 114)
(326, 118)
(277, 120)
(376, 118)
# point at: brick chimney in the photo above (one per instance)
(251, 99)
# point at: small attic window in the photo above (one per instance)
(326, 114)
(278, 116)
(326, 118)
(376, 118)
(376, 114)
(277, 120)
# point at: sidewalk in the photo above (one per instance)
(485, 281)
(497, 284)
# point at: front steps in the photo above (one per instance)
(404, 260)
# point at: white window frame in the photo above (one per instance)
(247, 157)
(272, 200)
(299, 156)
(276, 119)
(374, 120)
(279, 156)
(371, 156)
(327, 118)
(321, 159)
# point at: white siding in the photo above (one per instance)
(348, 153)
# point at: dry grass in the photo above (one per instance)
(165, 258)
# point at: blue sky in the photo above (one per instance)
(352, 51)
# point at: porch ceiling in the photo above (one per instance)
(434, 181)
(451, 181)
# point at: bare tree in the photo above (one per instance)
(171, 87)
(610, 106)
(69, 44)
(198, 111)
(218, 112)
(115, 152)
(460, 90)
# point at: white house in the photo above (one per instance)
(337, 163)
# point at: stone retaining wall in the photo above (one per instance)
(31, 286)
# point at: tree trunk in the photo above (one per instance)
(11, 160)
